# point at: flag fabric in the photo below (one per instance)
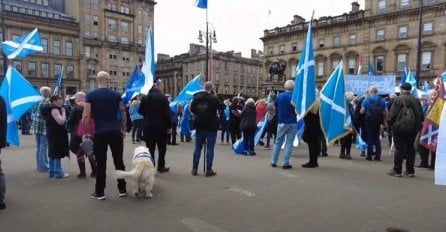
(431, 124)
(23, 46)
(359, 66)
(58, 88)
(192, 87)
(441, 89)
(19, 96)
(440, 161)
(260, 128)
(360, 143)
(370, 69)
(333, 107)
(404, 75)
(203, 4)
(426, 87)
(410, 78)
(134, 85)
(304, 93)
(148, 67)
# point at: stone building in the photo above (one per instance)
(229, 71)
(83, 37)
(60, 39)
(385, 32)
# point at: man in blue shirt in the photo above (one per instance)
(287, 126)
(368, 107)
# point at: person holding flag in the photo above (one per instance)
(2, 145)
(312, 134)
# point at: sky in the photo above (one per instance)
(239, 24)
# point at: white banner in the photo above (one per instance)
(440, 161)
(359, 84)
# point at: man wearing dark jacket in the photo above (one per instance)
(155, 110)
(206, 125)
(2, 145)
(404, 140)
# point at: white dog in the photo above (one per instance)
(142, 176)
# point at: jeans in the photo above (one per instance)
(248, 140)
(202, 137)
(373, 140)
(288, 131)
(404, 149)
(224, 131)
(42, 153)
(55, 168)
(100, 146)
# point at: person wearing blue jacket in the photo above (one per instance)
(137, 119)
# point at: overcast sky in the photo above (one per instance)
(238, 23)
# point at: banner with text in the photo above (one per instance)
(359, 84)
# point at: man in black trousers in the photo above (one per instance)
(2, 144)
(154, 108)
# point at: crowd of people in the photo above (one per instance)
(100, 116)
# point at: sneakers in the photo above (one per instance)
(61, 177)
(163, 169)
(99, 197)
(210, 173)
(287, 166)
(405, 173)
(273, 165)
(309, 165)
(122, 194)
(394, 173)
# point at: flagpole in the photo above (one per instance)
(5, 60)
(420, 27)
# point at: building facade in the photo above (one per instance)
(384, 33)
(60, 39)
(229, 71)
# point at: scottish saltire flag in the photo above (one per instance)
(134, 85)
(304, 93)
(404, 75)
(260, 128)
(203, 4)
(19, 96)
(333, 109)
(440, 161)
(192, 87)
(431, 124)
(23, 46)
(425, 87)
(370, 69)
(442, 80)
(360, 143)
(359, 66)
(148, 67)
(407, 76)
(58, 88)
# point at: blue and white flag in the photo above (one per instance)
(410, 78)
(134, 85)
(192, 87)
(23, 46)
(58, 88)
(148, 67)
(304, 93)
(370, 69)
(19, 96)
(404, 75)
(440, 163)
(203, 4)
(261, 126)
(333, 109)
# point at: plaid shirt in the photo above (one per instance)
(39, 126)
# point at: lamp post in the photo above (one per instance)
(211, 37)
(420, 33)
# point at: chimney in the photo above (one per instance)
(355, 7)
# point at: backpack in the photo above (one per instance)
(376, 116)
(202, 114)
(405, 120)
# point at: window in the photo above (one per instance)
(87, 3)
(320, 68)
(95, 4)
(95, 35)
(226, 78)
(113, 55)
(87, 34)
(70, 72)
(125, 56)
(380, 35)
(87, 52)
(380, 64)
(91, 69)
(404, 4)
(427, 28)
(95, 19)
(111, 38)
(88, 20)
(217, 77)
(426, 60)
(381, 6)
(113, 71)
(334, 63)
(402, 32)
(321, 43)
(125, 26)
(402, 62)
(351, 65)
(124, 40)
(45, 2)
(18, 65)
(31, 69)
(271, 50)
(294, 47)
(352, 40)
(45, 70)
(69, 49)
(111, 24)
(125, 72)
(140, 29)
(336, 41)
(45, 45)
(57, 69)
(282, 49)
(56, 47)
